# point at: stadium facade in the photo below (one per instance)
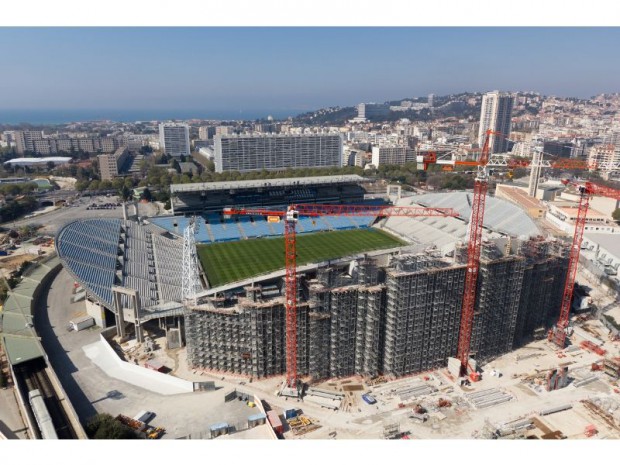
(392, 312)
(255, 152)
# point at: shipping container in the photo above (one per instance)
(274, 421)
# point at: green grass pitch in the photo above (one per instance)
(227, 262)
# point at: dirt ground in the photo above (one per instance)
(11, 263)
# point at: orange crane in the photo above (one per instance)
(557, 335)
(291, 217)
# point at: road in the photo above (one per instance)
(54, 220)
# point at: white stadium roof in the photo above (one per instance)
(501, 217)
(38, 161)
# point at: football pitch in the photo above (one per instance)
(227, 262)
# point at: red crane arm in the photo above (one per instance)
(604, 191)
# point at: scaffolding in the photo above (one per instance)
(396, 318)
(499, 285)
(422, 315)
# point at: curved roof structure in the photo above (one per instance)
(101, 253)
(501, 217)
(89, 250)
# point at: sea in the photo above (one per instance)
(71, 116)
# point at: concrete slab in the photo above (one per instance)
(105, 358)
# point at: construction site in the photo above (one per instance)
(393, 314)
(467, 322)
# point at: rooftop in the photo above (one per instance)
(609, 242)
(253, 184)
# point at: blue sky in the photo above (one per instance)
(293, 69)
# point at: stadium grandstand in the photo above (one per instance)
(219, 228)
(213, 196)
(102, 254)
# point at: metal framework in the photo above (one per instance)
(558, 334)
(473, 255)
(190, 281)
(291, 216)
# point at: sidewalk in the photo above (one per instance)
(11, 423)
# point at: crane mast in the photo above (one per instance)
(558, 334)
(473, 256)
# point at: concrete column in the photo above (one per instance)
(119, 317)
(138, 325)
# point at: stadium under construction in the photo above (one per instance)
(393, 311)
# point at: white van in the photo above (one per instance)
(144, 416)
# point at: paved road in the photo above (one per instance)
(11, 423)
(52, 221)
(91, 391)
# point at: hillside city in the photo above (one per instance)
(441, 266)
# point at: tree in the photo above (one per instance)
(125, 192)
(147, 195)
(616, 215)
(104, 426)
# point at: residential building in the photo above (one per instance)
(206, 132)
(604, 156)
(496, 114)
(224, 130)
(247, 152)
(25, 140)
(111, 164)
(395, 155)
(366, 111)
(174, 139)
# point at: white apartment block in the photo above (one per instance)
(174, 139)
(606, 157)
(111, 164)
(395, 155)
(247, 152)
(496, 114)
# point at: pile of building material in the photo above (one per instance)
(611, 367)
(588, 337)
(488, 398)
(553, 410)
(583, 382)
(513, 428)
(324, 398)
(592, 347)
(417, 390)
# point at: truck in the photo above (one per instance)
(78, 324)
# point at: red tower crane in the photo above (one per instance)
(291, 217)
(587, 190)
(473, 255)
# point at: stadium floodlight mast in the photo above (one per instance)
(291, 218)
(190, 280)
